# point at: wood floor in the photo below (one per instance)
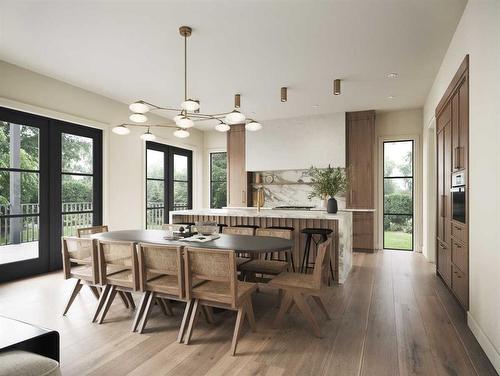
(392, 317)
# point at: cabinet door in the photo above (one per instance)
(463, 118)
(360, 145)
(440, 185)
(455, 133)
(363, 235)
(444, 261)
(447, 183)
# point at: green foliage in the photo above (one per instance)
(327, 182)
(218, 188)
(398, 203)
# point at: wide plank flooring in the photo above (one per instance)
(393, 316)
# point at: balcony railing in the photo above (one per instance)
(15, 230)
(156, 213)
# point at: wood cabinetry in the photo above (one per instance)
(360, 144)
(237, 190)
(452, 125)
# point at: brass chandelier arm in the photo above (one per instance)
(148, 125)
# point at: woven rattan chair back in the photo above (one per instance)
(80, 252)
(238, 231)
(87, 231)
(117, 254)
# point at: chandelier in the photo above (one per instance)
(188, 113)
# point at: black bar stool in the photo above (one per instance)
(221, 226)
(292, 230)
(310, 232)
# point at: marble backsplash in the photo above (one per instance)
(290, 188)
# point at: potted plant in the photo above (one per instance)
(326, 184)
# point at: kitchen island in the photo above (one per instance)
(340, 223)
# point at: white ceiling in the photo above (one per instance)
(130, 50)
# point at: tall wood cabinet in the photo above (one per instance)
(360, 143)
(452, 126)
(237, 190)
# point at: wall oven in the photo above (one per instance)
(458, 196)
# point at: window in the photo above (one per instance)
(218, 180)
(168, 182)
(50, 185)
(398, 195)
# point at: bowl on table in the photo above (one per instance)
(207, 228)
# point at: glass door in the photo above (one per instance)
(168, 182)
(398, 195)
(76, 189)
(23, 195)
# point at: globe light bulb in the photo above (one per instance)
(253, 126)
(138, 118)
(121, 130)
(181, 133)
(139, 107)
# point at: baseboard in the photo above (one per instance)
(485, 342)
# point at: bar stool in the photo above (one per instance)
(221, 227)
(310, 232)
(292, 230)
(255, 227)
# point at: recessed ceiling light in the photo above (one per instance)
(391, 97)
(392, 75)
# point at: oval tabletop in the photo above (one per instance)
(238, 243)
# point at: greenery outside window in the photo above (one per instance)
(218, 180)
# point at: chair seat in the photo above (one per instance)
(82, 272)
(23, 363)
(124, 278)
(220, 291)
(265, 266)
(168, 284)
(241, 260)
(294, 280)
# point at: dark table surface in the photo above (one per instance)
(238, 243)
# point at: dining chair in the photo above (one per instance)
(248, 231)
(298, 287)
(86, 232)
(80, 262)
(221, 288)
(161, 278)
(117, 262)
(270, 263)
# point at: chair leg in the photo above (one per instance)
(185, 317)
(130, 298)
(109, 300)
(159, 302)
(140, 311)
(290, 306)
(74, 293)
(237, 328)
(306, 311)
(208, 313)
(250, 315)
(194, 312)
(94, 291)
(102, 300)
(147, 312)
(285, 302)
(123, 298)
(319, 301)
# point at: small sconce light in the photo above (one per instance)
(284, 94)
(336, 87)
(237, 99)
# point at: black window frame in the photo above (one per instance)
(168, 177)
(50, 200)
(216, 181)
(412, 177)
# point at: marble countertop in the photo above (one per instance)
(265, 212)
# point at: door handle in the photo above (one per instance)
(243, 196)
(443, 202)
(457, 158)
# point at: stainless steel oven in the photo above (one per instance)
(458, 196)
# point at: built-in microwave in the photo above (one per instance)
(458, 196)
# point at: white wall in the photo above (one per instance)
(478, 34)
(393, 126)
(124, 170)
(297, 143)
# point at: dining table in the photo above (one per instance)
(238, 243)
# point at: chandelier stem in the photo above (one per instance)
(185, 68)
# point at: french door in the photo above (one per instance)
(169, 184)
(50, 184)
